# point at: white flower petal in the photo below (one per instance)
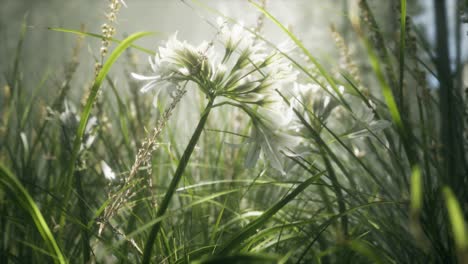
(153, 63)
(220, 21)
(184, 71)
(107, 171)
(144, 78)
(148, 86)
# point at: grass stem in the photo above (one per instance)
(175, 181)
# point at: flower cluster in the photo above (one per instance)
(245, 72)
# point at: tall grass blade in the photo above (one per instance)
(235, 241)
(457, 222)
(93, 95)
(239, 258)
(321, 69)
(94, 35)
(184, 160)
(9, 181)
(402, 49)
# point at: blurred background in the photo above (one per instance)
(309, 19)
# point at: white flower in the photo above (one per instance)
(107, 171)
(247, 73)
(177, 62)
(89, 136)
(235, 37)
(70, 120)
(271, 143)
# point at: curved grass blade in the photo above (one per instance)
(367, 250)
(184, 160)
(251, 228)
(320, 68)
(416, 191)
(89, 104)
(386, 90)
(240, 258)
(275, 231)
(156, 220)
(94, 35)
(9, 181)
(457, 221)
(332, 219)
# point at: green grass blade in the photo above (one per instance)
(90, 101)
(321, 69)
(251, 228)
(416, 190)
(202, 200)
(184, 160)
(239, 258)
(94, 35)
(9, 181)
(457, 222)
(27, 112)
(386, 90)
(332, 219)
(367, 250)
(402, 48)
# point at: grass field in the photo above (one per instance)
(240, 149)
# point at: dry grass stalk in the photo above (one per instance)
(119, 198)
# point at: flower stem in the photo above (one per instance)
(175, 181)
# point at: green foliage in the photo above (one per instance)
(12, 185)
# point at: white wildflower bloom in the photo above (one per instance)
(367, 124)
(341, 89)
(107, 171)
(277, 115)
(176, 62)
(89, 136)
(358, 153)
(287, 46)
(69, 120)
(271, 143)
(305, 90)
(245, 73)
(357, 122)
(235, 37)
(24, 140)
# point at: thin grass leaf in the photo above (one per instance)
(240, 258)
(321, 69)
(457, 222)
(33, 100)
(416, 190)
(332, 219)
(88, 34)
(89, 104)
(402, 48)
(367, 250)
(184, 160)
(386, 90)
(202, 200)
(251, 228)
(9, 181)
